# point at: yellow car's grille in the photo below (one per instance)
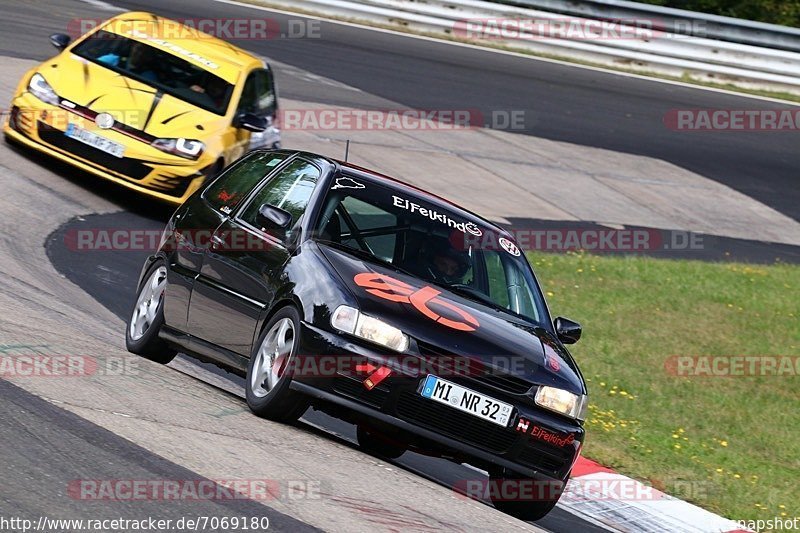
(129, 167)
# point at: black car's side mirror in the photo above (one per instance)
(60, 40)
(568, 331)
(271, 217)
(250, 122)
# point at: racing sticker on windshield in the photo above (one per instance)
(348, 183)
(508, 246)
(182, 51)
(425, 300)
(463, 227)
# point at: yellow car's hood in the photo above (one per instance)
(129, 101)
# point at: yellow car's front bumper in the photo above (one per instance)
(167, 180)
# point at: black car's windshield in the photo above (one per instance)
(443, 246)
(165, 71)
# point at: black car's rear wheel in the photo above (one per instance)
(147, 317)
(269, 373)
(521, 497)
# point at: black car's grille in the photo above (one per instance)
(545, 457)
(489, 376)
(357, 391)
(505, 382)
(448, 421)
(122, 165)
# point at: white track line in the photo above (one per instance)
(105, 6)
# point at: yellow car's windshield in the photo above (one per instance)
(166, 72)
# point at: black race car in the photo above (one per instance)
(330, 285)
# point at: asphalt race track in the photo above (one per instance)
(80, 445)
(47, 445)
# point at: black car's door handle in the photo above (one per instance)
(217, 242)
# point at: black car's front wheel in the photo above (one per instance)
(269, 373)
(379, 444)
(147, 317)
(524, 498)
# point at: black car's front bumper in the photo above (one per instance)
(396, 402)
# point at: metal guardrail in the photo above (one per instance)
(675, 21)
(645, 50)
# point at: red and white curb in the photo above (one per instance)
(601, 496)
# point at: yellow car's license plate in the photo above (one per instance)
(96, 141)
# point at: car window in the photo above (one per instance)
(498, 287)
(265, 102)
(364, 216)
(257, 95)
(290, 189)
(507, 284)
(235, 184)
(165, 71)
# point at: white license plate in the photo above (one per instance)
(467, 400)
(96, 141)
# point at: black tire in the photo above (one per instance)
(149, 345)
(542, 498)
(378, 444)
(275, 400)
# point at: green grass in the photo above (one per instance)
(728, 444)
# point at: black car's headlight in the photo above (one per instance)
(351, 320)
(187, 148)
(563, 402)
(42, 90)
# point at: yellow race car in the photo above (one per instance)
(147, 102)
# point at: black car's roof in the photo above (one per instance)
(354, 170)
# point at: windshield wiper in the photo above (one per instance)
(366, 255)
(474, 295)
(477, 296)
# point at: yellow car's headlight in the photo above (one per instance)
(188, 148)
(42, 90)
(561, 401)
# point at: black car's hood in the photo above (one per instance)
(488, 336)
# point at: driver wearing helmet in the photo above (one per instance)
(444, 264)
